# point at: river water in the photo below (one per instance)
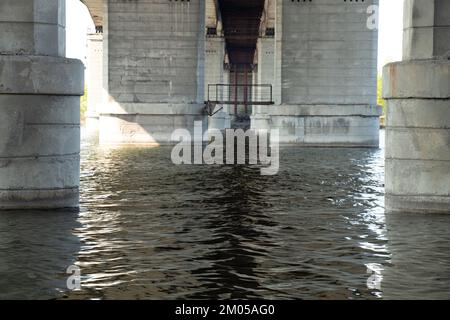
(148, 229)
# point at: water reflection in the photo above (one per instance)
(238, 237)
(154, 230)
(420, 248)
(36, 248)
(148, 229)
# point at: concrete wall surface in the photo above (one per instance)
(321, 125)
(329, 55)
(155, 57)
(325, 62)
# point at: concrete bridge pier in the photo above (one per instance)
(417, 91)
(215, 73)
(323, 70)
(39, 105)
(154, 70)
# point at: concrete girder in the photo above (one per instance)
(96, 9)
(268, 16)
(212, 19)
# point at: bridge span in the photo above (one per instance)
(153, 61)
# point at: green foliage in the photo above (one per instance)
(380, 99)
(83, 104)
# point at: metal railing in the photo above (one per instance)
(240, 94)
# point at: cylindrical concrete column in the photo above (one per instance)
(418, 113)
(39, 107)
(426, 29)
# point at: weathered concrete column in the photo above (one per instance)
(39, 107)
(215, 74)
(266, 60)
(418, 112)
(154, 68)
(94, 82)
(266, 75)
(325, 74)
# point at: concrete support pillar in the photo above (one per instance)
(266, 75)
(215, 74)
(154, 70)
(94, 82)
(426, 29)
(39, 105)
(226, 80)
(324, 75)
(418, 112)
(266, 63)
(277, 88)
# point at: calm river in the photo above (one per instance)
(148, 229)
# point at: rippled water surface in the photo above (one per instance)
(148, 229)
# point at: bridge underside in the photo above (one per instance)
(158, 59)
(246, 43)
(241, 27)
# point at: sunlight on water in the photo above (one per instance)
(149, 229)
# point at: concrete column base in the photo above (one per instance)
(418, 136)
(321, 125)
(148, 123)
(39, 131)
